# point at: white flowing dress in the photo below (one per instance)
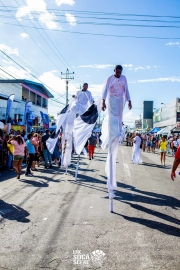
(116, 92)
(136, 153)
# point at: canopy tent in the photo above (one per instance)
(52, 128)
(175, 130)
(155, 130)
(1, 125)
(96, 130)
(164, 131)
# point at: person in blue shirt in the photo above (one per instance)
(30, 152)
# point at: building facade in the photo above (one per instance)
(167, 115)
(24, 91)
(147, 114)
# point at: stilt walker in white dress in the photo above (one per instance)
(82, 100)
(116, 93)
(136, 153)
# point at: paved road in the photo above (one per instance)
(52, 222)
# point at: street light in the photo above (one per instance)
(163, 104)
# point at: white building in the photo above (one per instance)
(24, 91)
(167, 115)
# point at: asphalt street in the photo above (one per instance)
(51, 221)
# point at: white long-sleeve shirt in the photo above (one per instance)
(116, 87)
(83, 97)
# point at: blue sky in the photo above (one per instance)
(40, 36)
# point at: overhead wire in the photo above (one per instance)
(28, 72)
(100, 34)
(39, 46)
(60, 96)
(85, 17)
(13, 8)
(52, 44)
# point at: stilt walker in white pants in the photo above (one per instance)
(116, 92)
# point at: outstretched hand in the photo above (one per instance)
(129, 105)
(173, 175)
(103, 105)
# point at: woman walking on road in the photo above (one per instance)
(163, 149)
(19, 147)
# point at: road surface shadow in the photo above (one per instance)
(164, 228)
(13, 212)
(89, 182)
(156, 165)
(153, 212)
(100, 159)
(5, 175)
(35, 183)
(151, 198)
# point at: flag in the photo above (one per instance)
(28, 107)
(84, 124)
(9, 105)
(51, 142)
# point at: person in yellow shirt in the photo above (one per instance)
(163, 149)
(10, 148)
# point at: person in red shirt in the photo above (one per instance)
(175, 163)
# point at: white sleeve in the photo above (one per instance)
(127, 90)
(91, 99)
(106, 88)
(77, 94)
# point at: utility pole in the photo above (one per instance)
(67, 78)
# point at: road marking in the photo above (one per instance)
(145, 260)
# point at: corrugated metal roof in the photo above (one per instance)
(34, 85)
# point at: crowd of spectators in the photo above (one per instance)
(31, 149)
(152, 143)
(18, 147)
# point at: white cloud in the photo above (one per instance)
(51, 79)
(7, 62)
(98, 66)
(129, 117)
(65, 2)
(15, 72)
(38, 6)
(47, 18)
(71, 19)
(127, 65)
(24, 35)
(166, 79)
(173, 43)
(96, 90)
(141, 68)
(8, 49)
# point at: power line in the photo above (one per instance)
(110, 24)
(14, 8)
(60, 96)
(51, 100)
(35, 42)
(85, 17)
(26, 70)
(7, 73)
(52, 44)
(44, 40)
(100, 34)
